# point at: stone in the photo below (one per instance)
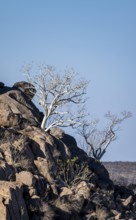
(65, 191)
(70, 203)
(1, 85)
(83, 189)
(128, 201)
(27, 88)
(102, 213)
(48, 212)
(25, 178)
(16, 110)
(4, 214)
(32, 191)
(118, 216)
(57, 132)
(12, 202)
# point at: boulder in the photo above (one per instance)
(69, 204)
(16, 110)
(12, 203)
(127, 202)
(1, 85)
(65, 191)
(57, 132)
(27, 88)
(83, 189)
(25, 178)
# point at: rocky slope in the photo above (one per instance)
(45, 175)
(126, 174)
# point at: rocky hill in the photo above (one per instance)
(123, 173)
(46, 175)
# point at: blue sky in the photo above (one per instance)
(95, 37)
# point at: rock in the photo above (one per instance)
(70, 204)
(48, 212)
(1, 85)
(33, 205)
(27, 88)
(96, 166)
(25, 178)
(57, 132)
(6, 171)
(102, 213)
(65, 191)
(43, 167)
(4, 213)
(32, 191)
(118, 216)
(64, 152)
(15, 149)
(12, 202)
(91, 216)
(83, 189)
(45, 175)
(128, 201)
(16, 110)
(40, 185)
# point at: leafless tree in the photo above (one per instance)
(97, 141)
(61, 96)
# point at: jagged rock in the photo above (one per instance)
(16, 110)
(128, 201)
(48, 212)
(27, 88)
(15, 150)
(40, 185)
(118, 216)
(77, 152)
(83, 189)
(57, 132)
(25, 178)
(12, 202)
(4, 214)
(6, 171)
(43, 167)
(35, 168)
(65, 191)
(103, 213)
(69, 204)
(91, 216)
(1, 85)
(32, 191)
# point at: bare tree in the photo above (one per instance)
(97, 141)
(60, 95)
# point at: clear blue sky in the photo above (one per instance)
(95, 37)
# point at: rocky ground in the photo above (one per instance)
(45, 175)
(126, 174)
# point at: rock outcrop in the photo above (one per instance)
(46, 175)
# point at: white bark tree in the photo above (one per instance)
(98, 141)
(62, 96)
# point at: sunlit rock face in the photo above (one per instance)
(16, 107)
(46, 175)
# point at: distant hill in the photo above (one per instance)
(123, 173)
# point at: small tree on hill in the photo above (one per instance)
(98, 141)
(62, 96)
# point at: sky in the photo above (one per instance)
(95, 37)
